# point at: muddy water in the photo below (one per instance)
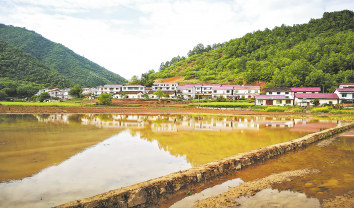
(47, 160)
(334, 158)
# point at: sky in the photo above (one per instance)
(131, 37)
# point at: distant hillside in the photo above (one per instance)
(56, 56)
(319, 53)
(21, 74)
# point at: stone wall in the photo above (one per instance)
(153, 192)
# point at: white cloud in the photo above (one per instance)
(164, 29)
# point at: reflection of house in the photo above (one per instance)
(308, 98)
(345, 92)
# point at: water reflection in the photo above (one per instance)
(95, 153)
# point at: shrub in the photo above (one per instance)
(321, 109)
(275, 109)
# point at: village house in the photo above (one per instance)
(307, 99)
(112, 89)
(278, 100)
(345, 93)
(165, 86)
(306, 90)
(188, 91)
(246, 91)
(224, 91)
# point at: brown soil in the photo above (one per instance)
(347, 201)
(229, 198)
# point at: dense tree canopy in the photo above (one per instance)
(59, 58)
(319, 53)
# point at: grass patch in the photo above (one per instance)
(223, 104)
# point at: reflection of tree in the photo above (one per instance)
(43, 116)
(75, 118)
(105, 117)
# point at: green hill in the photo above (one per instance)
(21, 74)
(56, 56)
(319, 53)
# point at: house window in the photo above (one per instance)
(249, 91)
(256, 91)
(189, 90)
(141, 88)
(344, 95)
(105, 88)
(260, 101)
(279, 101)
(270, 93)
(116, 88)
(288, 102)
(214, 91)
(286, 93)
(278, 93)
(227, 91)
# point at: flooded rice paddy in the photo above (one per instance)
(47, 160)
(333, 157)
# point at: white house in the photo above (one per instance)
(165, 86)
(112, 89)
(246, 91)
(345, 93)
(188, 91)
(277, 100)
(222, 91)
(308, 98)
(134, 88)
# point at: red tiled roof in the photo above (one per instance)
(317, 95)
(306, 89)
(271, 97)
(345, 89)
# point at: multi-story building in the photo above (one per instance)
(165, 86)
(246, 91)
(345, 93)
(188, 91)
(112, 89)
(222, 91)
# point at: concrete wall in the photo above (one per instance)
(151, 193)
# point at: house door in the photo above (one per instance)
(269, 102)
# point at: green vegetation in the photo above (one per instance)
(223, 104)
(43, 96)
(321, 109)
(105, 98)
(76, 91)
(53, 57)
(45, 104)
(160, 94)
(319, 53)
(23, 75)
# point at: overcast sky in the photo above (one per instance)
(130, 37)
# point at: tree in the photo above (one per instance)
(123, 94)
(76, 91)
(146, 96)
(159, 93)
(43, 96)
(3, 95)
(105, 98)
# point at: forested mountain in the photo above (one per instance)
(57, 57)
(22, 74)
(319, 53)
